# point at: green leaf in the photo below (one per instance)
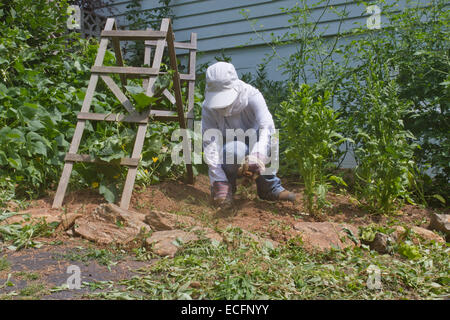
(108, 191)
(39, 148)
(134, 89)
(338, 180)
(439, 197)
(143, 101)
(15, 164)
(409, 250)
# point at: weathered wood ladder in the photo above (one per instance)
(160, 39)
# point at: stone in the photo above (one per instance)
(440, 222)
(109, 223)
(68, 220)
(160, 221)
(382, 243)
(323, 236)
(195, 285)
(113, 212)
(35, 214)
(260, 240)
(207, 233)
(163, 243)
(419, 234)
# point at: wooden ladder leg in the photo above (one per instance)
(142, 129)
(62, 185)
(74, 145)
(191, 97)
(132, 171)
(179, 101)
(191, 83)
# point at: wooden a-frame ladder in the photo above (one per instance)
(160, 39)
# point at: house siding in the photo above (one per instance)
(222, 28)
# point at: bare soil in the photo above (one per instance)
(267, 218)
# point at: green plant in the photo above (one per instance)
(4, 264)
(312, 57)
(409, 250)
(44, 73)
(384, 149)
(35, 289)
(310, 127)
(141, 20)
(413, 45)
(27, 275)
(422, 58)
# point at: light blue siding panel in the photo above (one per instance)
(220, 25)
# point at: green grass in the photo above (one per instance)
(4, 264)
(102, 256)
(33, 290)
(27, 275)
(239, 268)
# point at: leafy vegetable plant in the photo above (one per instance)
(311, 127)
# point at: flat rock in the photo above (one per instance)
(109, 223)
(160, 221)
(440, 222)
(420, 234)
(33, 214)
(68, 220)
(163, 243)
(260, 240)
(323, 236)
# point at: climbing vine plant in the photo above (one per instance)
(141, 19)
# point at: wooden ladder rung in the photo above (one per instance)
(130, 162)
(134, 34)
(178, 45)
(126, 70)
(165, 115)
(184, 76)
(133, 118)
(74, 157)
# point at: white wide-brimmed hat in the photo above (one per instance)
(221, 79)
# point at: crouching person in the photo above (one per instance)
(231, 105)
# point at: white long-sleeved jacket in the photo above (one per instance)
(255, 116)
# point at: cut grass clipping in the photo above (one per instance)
(240, 268)
(21, 236)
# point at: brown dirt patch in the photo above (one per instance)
(270, 219)
(273, 220)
